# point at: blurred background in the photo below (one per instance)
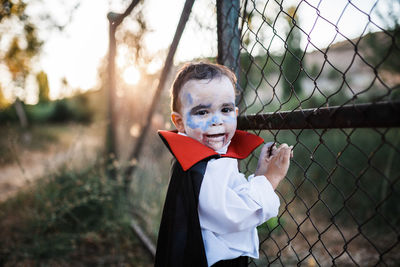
(84, 89)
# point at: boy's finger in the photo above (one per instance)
(284, 145)
(273, 150)
(265, 149)
(287, 148)
(286, 154)
(269, 146)
(280, 152)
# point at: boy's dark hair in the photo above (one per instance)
(197, 71)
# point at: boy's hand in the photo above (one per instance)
(274, 162)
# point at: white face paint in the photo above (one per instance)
(208, 111)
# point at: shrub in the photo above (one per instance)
(70, 217)
(68, 109)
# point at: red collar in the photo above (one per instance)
(189, 151)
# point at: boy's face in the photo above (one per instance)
(208, 112)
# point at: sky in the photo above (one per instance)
(76, 52)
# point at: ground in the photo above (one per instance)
(48, 148)
(33, 223)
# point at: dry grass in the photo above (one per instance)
(74, 218)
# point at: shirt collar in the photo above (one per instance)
(189, 151)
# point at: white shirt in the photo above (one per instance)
(230, 209)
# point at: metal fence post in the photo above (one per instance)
(228, 35)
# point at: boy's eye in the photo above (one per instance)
(226, 110)
(201, 112)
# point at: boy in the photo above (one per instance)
(211, 210)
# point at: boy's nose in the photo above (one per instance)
(216, 120)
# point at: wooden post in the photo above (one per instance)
(164, 74)
(111, 126)
(114, 20)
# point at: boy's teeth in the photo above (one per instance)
(215, 135)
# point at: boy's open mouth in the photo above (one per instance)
(215, 135)
(215, 141)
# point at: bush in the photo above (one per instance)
(8, 115)
(41, 112)
(63, 110)
(71, 217)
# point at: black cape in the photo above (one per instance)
(180, 241)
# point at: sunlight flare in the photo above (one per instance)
(131, 75)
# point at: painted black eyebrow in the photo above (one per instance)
(231, 104)
(199, 107)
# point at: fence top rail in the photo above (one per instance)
(373, 115)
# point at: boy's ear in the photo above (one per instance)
(237, 111)
(178, 121)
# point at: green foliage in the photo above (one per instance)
(292, 65)
(333, 74)
(41, 112)
(257, 67)
(73, 109)
(337, 175)
(11, 8)
(384, 46)
(43, 85)
(3, 101)
(344, 175)
(19, 59)
(68, 109)
(8, 114)
(273, 225)
(385, 51)
(69, 217)
(21, 46)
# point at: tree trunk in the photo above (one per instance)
(23, 120)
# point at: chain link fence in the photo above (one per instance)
(324, 77)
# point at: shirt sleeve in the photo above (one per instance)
(228, 202)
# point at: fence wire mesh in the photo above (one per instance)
(150, 179)
(322, 76)
(339, 199)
